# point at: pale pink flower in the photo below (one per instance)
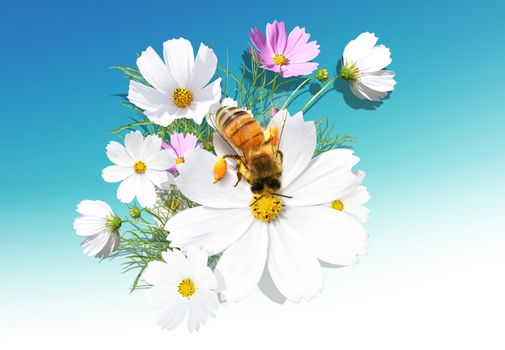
(179, 144)
(287, 55)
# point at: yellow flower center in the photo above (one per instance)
(337, 204)
(265, 207)
(179, 160)
(279, 59)
(187, 288)
(182, 97)
(140, 167)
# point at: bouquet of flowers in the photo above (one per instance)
(231, 190)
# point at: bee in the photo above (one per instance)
(258, 159)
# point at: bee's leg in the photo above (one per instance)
(221, 166)
(239, 177)
(281, 155)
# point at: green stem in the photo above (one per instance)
(319, 92)
(295, 91)
(127, 126)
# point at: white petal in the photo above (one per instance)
(328, 177)
(94, 208)
(154, 70)
(294, 270)
(363, 92)
(146, 193)
(209, 300)
(212, 230)
(93, 245)
(159, 297)
(133, 143)
(382, 80)
(146, 97)
(199, 272)
(176, 259)
(196, 179)
(358, 48)
(173, 314)
(160, 273)
(204, 67)
(160, 160)
(160, 178)
(333, 236)
(128, 188)
(179, 58)
(118, 155)
(86, 225)
(150, 146)
(161, 116)
(242, 264)
(116, 173)
(204, 99)
(111, 246)
(297, 142)
(197, 315)
(377, 58)
(353, 203)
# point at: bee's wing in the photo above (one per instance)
(222, 145)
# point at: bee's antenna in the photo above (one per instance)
(282, 195)
(257, 199)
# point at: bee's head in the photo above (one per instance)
(270, 184)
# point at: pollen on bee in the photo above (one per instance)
(274, 135)
(220, 169)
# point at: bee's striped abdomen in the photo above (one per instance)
(239, 127)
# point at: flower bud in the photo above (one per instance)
(322, 74)
(135, 212)
(273, 111)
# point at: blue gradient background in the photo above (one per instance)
(434, 151)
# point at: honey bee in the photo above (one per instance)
(258, 159)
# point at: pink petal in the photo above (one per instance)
(257, 39)
(297, 69)
(304, 53)
(276, 37)
(296, 38)
(181, 144)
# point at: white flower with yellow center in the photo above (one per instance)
(353, 202)
(179, 86)
(363, 64)
(182, 286)
(100, 225)
(140, 165)
(286, 234)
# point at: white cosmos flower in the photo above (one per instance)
(182, 286)
(353, 202)
(363, 68)
(100, 225)
(287, 235)
(140, 166)
(179, 86)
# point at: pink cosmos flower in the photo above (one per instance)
(287, 55)
(179, 144)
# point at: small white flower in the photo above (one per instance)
(182, 286)
(140, 166)
(363, 68)
(353, 202)
(180, 85)
(100, 225)
(284, 237)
